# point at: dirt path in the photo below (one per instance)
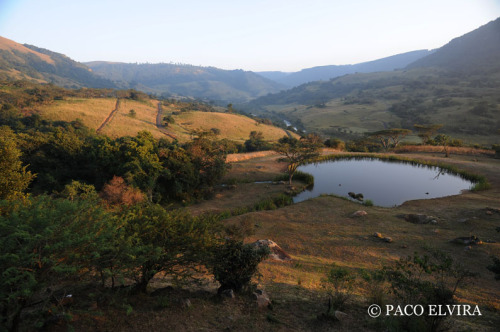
(110, 116)
(159, 125)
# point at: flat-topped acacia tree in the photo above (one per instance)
(296, 152)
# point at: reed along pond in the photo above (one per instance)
(385, 183)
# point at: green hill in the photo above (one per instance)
(186, 80)
(457, 86)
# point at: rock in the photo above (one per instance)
(490, 213)
(351, 194)
(467, 240)
(359, 213)
(387, 239)
(462, 220)
(404, 246)
(340, 315)
(186, 303)
(420, 219)
(359, 197)
(261, 298)
(229, 293)
(378, 235)
(276, 252)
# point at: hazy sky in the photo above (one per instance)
(257, 35)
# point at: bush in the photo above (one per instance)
(339, 284)
(335, 143)
(43, 243)
(424, 280)
(233, 264)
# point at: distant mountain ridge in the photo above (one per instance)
(324, 73)
(478, 50)
(187, 80)
(43, 66)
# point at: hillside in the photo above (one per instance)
(43, 66)
(476, 51)
(432, 90)
(186, 80)
(324, 73)
(125, 113)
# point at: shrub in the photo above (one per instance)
(376, 285)
(233, 264)
(339, 284)
(335, 143)
(425, 280)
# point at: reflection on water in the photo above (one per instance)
(384, 183)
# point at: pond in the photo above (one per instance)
(384, 183)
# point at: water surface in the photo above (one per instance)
(384, 183)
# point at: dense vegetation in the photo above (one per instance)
(77, 207)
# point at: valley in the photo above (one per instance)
(160, 197)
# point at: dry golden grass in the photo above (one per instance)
(232, 126)
(440, 149)
(9, 45)
(92, 112)
(125, 125)
(321, 231)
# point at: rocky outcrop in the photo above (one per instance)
(419, 218)
(359, 213)
(276, 252)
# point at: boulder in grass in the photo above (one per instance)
(359, 213)
(276, 252)
(420, 219)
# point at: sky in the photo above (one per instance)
(256, 35)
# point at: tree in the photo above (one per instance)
(296, 152)
(426, 131)
(14, 178)
(443, 140)
(255, 142)
(230, 108)
(172, 242)
(44, 242)
(390, 137)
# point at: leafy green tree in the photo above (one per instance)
(256, 142)
(170, 242)
(425, 132)
(44, 242)
(390, 137)
(14, 178)
(140, 165)
(296, 152)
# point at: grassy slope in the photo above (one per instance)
(441, 99)
(232, 126)
(320, 232)
(317, 233)
(93, 112)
